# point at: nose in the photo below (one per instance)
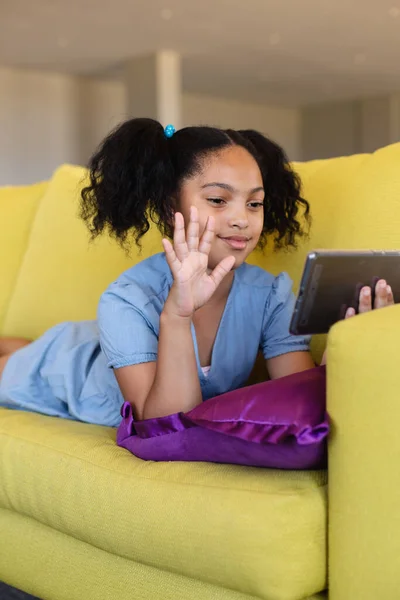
(238, 219)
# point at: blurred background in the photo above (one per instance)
(321, 77)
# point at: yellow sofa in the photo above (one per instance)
(81, 518)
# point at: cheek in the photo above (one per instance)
(203, 216)
(185, 212)
(258, 222)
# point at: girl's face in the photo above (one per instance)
(230, 188)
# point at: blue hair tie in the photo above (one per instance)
(169, 131)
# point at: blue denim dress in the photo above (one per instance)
(68, 371)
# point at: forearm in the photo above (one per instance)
(176, 387)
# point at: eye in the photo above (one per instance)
(216, 201)
(256, 204)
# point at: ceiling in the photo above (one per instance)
(280, 52)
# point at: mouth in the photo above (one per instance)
(237, 242)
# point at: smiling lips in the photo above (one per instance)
(237, 242)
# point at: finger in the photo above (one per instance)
(172, 260)
(390, 296)
(381, 298)
(350, 312)
(222, 269)
(364, 304)
(193, 230)
(207, 237)
(180, 245)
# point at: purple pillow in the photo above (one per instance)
(279, 424)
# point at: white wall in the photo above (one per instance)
(47, 119)
(37, 124)
(343, 128)
(394, 110)
(329, 130)
(280, 124)
(102, 107)
(374, 127)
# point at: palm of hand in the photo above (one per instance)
(195, 285)
(188, 260)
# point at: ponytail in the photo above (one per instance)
(131, 175)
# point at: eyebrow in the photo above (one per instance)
(229, 188)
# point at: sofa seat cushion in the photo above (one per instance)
(257, 531)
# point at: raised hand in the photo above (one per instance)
(187, 258)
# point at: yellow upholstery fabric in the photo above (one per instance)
(202, 530)
(17, 210)
(49, 564)
(268, 526)
(36, 552)
(62, 275)
(363, 401)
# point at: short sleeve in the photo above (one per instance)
(128, 326)
(276, 339)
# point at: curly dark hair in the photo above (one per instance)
(136, 174)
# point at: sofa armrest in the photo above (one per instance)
(363, 391)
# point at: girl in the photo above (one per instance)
(187, 324)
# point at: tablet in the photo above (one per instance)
(331, 283)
